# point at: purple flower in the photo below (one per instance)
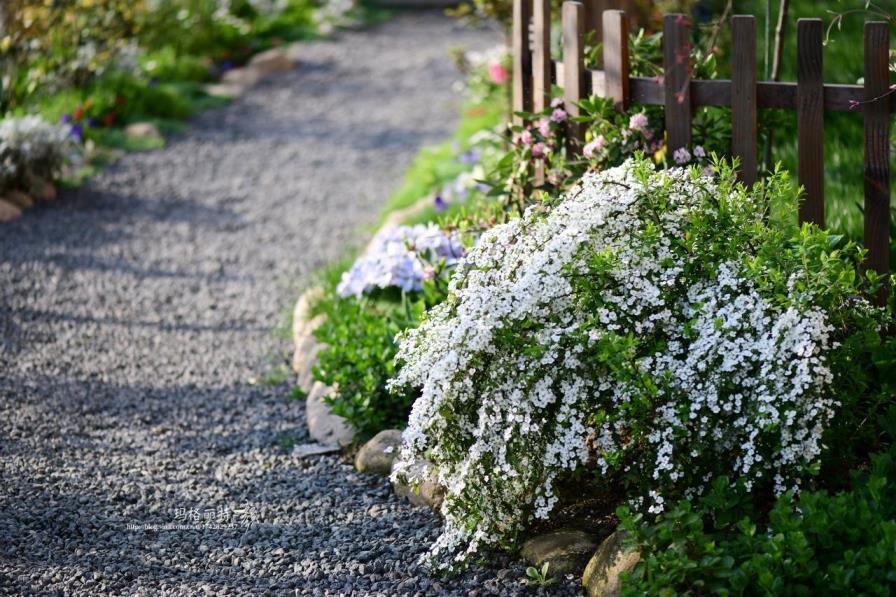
(594, 146)
(681, 156)
(559, 115)
(65, 118)
(470, 157)
(77, 132)
(539, 150)
(556, 102)
(638, 122)
(92, 122)
(440, 204)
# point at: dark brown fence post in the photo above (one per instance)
(541, 66)
(743, 96)
(877, 148)
(573, 67)
(541, 56)
(810, 119)
(616, 59)
(676, 50)
(522, 58)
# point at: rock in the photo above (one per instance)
(142, 130)
(42, 190)
(305, 450)
(377, 455)
(9, 211)
(294, 50)
(428, 493)
(245, 76)
(323, 426)
(304, 361)
(224, 89)
(271, 61)
(601, 578)
(305, 345)
(564, 550)
(19, 199)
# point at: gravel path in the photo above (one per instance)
(137, 312)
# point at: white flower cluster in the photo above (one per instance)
(514, 393)
(31, 144)
(403, 257)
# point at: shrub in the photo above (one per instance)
(827, 544)
(30, 146)
(651, 327)
(361, 332)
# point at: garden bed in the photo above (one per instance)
(612, 351)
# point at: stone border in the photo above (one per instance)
(237, 80)
(325, 427)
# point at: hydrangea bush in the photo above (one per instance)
(651, 330)
(402, 257)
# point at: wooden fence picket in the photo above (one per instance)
(676, 49)
(522, 58)
(810, 119)
(616, 58)
(573, 67)
(743, 96)
(877, 146)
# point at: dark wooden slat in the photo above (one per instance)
(877, 148)
(573, 66)
(591, 22)
(616, 59)
(676, 36)
(743, 96)
(522, 58)
(541, 56)
(717, 92)
(810, 119)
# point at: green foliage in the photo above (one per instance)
(539, 578)
(359, 334)
(823, 543)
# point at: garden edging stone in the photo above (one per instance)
(378, 454)
(323, 426)
(9, 211)
(564, 550)
(612, 558)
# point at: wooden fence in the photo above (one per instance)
(535, 71)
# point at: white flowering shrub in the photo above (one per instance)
(650, 330)
(31, 146)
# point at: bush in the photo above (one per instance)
(31, 147)
(651, 327)
(824, 544)
(361, 332)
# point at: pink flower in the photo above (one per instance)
(681, 156)
(596, 145)
(539, 150)
(556, 102)
(544, 127)
(498, 73)
(559, 115)
(526, 137)
(638, 122)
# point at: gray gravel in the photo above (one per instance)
(136, 315)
